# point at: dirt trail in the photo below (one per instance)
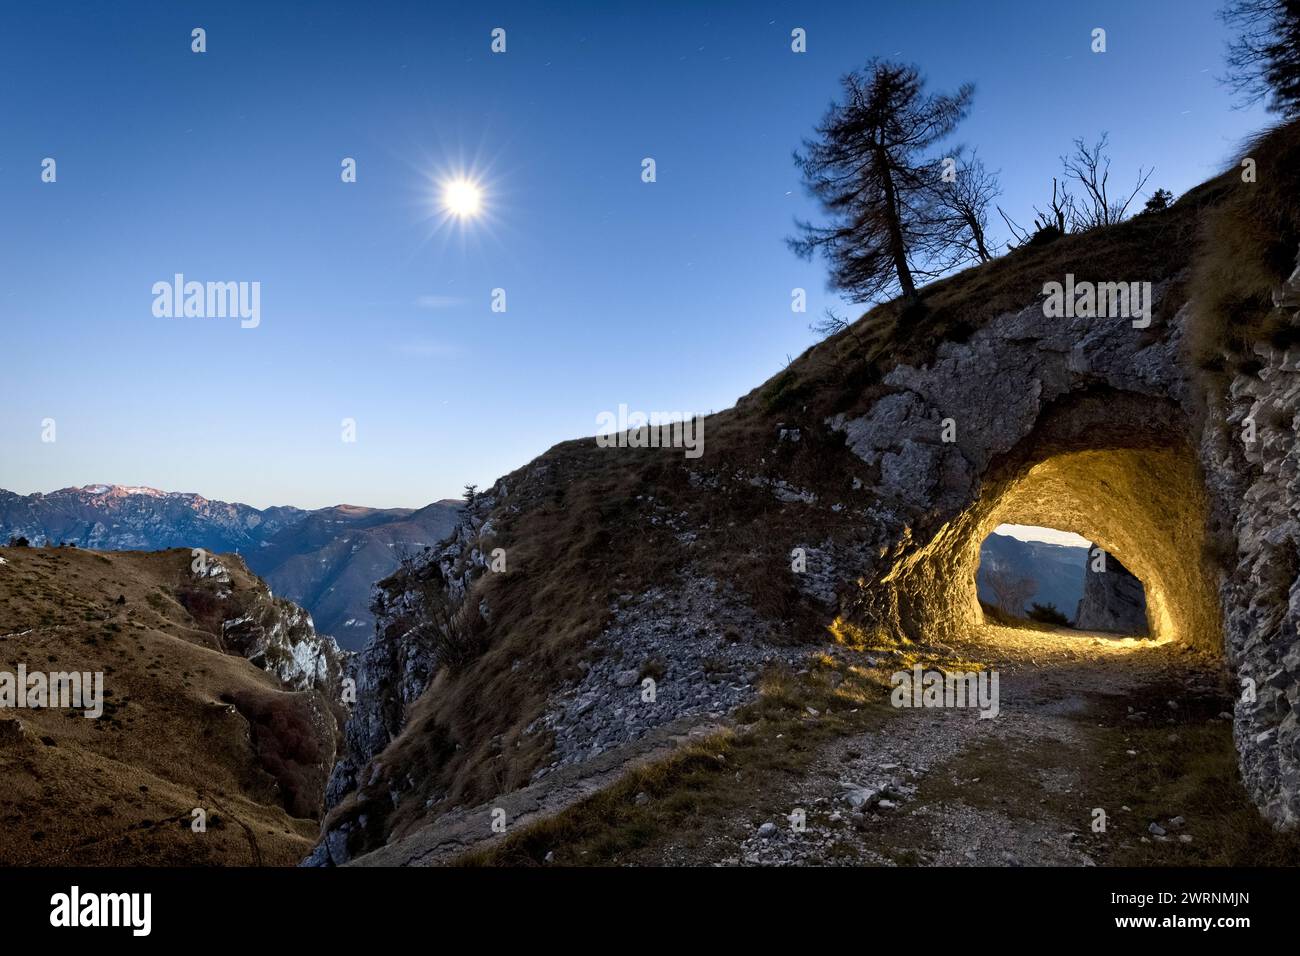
(944, 787)
(1130, 728)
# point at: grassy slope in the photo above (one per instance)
(120, 790)
(1249, 248)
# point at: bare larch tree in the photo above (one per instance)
(1089, 166)
(1010, 591)
(964, 201)
(869, 170)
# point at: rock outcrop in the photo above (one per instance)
(1113, 600)
(1252, 460)
(270, 632)
(1045, 411)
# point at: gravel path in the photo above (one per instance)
(944, 787)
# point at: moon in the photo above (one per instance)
(462, 198)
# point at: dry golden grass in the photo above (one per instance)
(707, 781)
(1249, 247)
(119, 790)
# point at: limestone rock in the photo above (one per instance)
(1113, 600)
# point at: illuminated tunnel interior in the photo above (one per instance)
(1110, 470)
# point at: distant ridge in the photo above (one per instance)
(1056, 568)
(325, 559)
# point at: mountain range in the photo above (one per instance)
(326, 559)
(1058, 570)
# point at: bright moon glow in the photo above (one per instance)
(462, 198)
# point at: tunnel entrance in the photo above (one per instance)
(1051, 577)
(1111, 467)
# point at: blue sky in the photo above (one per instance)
(670, 296)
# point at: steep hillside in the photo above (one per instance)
(832, 506)
(326, 560)
(186, 721)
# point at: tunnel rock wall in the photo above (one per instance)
(1252, 461)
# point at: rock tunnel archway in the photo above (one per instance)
(1097, 397)
(1111, 466)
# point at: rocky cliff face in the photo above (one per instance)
(1045, 413)
(1252, 456)
(1113, 600)
(272, 633)
(395, 668)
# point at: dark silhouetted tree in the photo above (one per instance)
(868, 167)
(1047, 225)
(1160, 199)
(1048, 614)
(966, 199)
(1088, 169)
(1264, 58)
(1089, 166)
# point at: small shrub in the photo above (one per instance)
(287, 743)
(1047, 614)
(1160, 199)
(1044, 235)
